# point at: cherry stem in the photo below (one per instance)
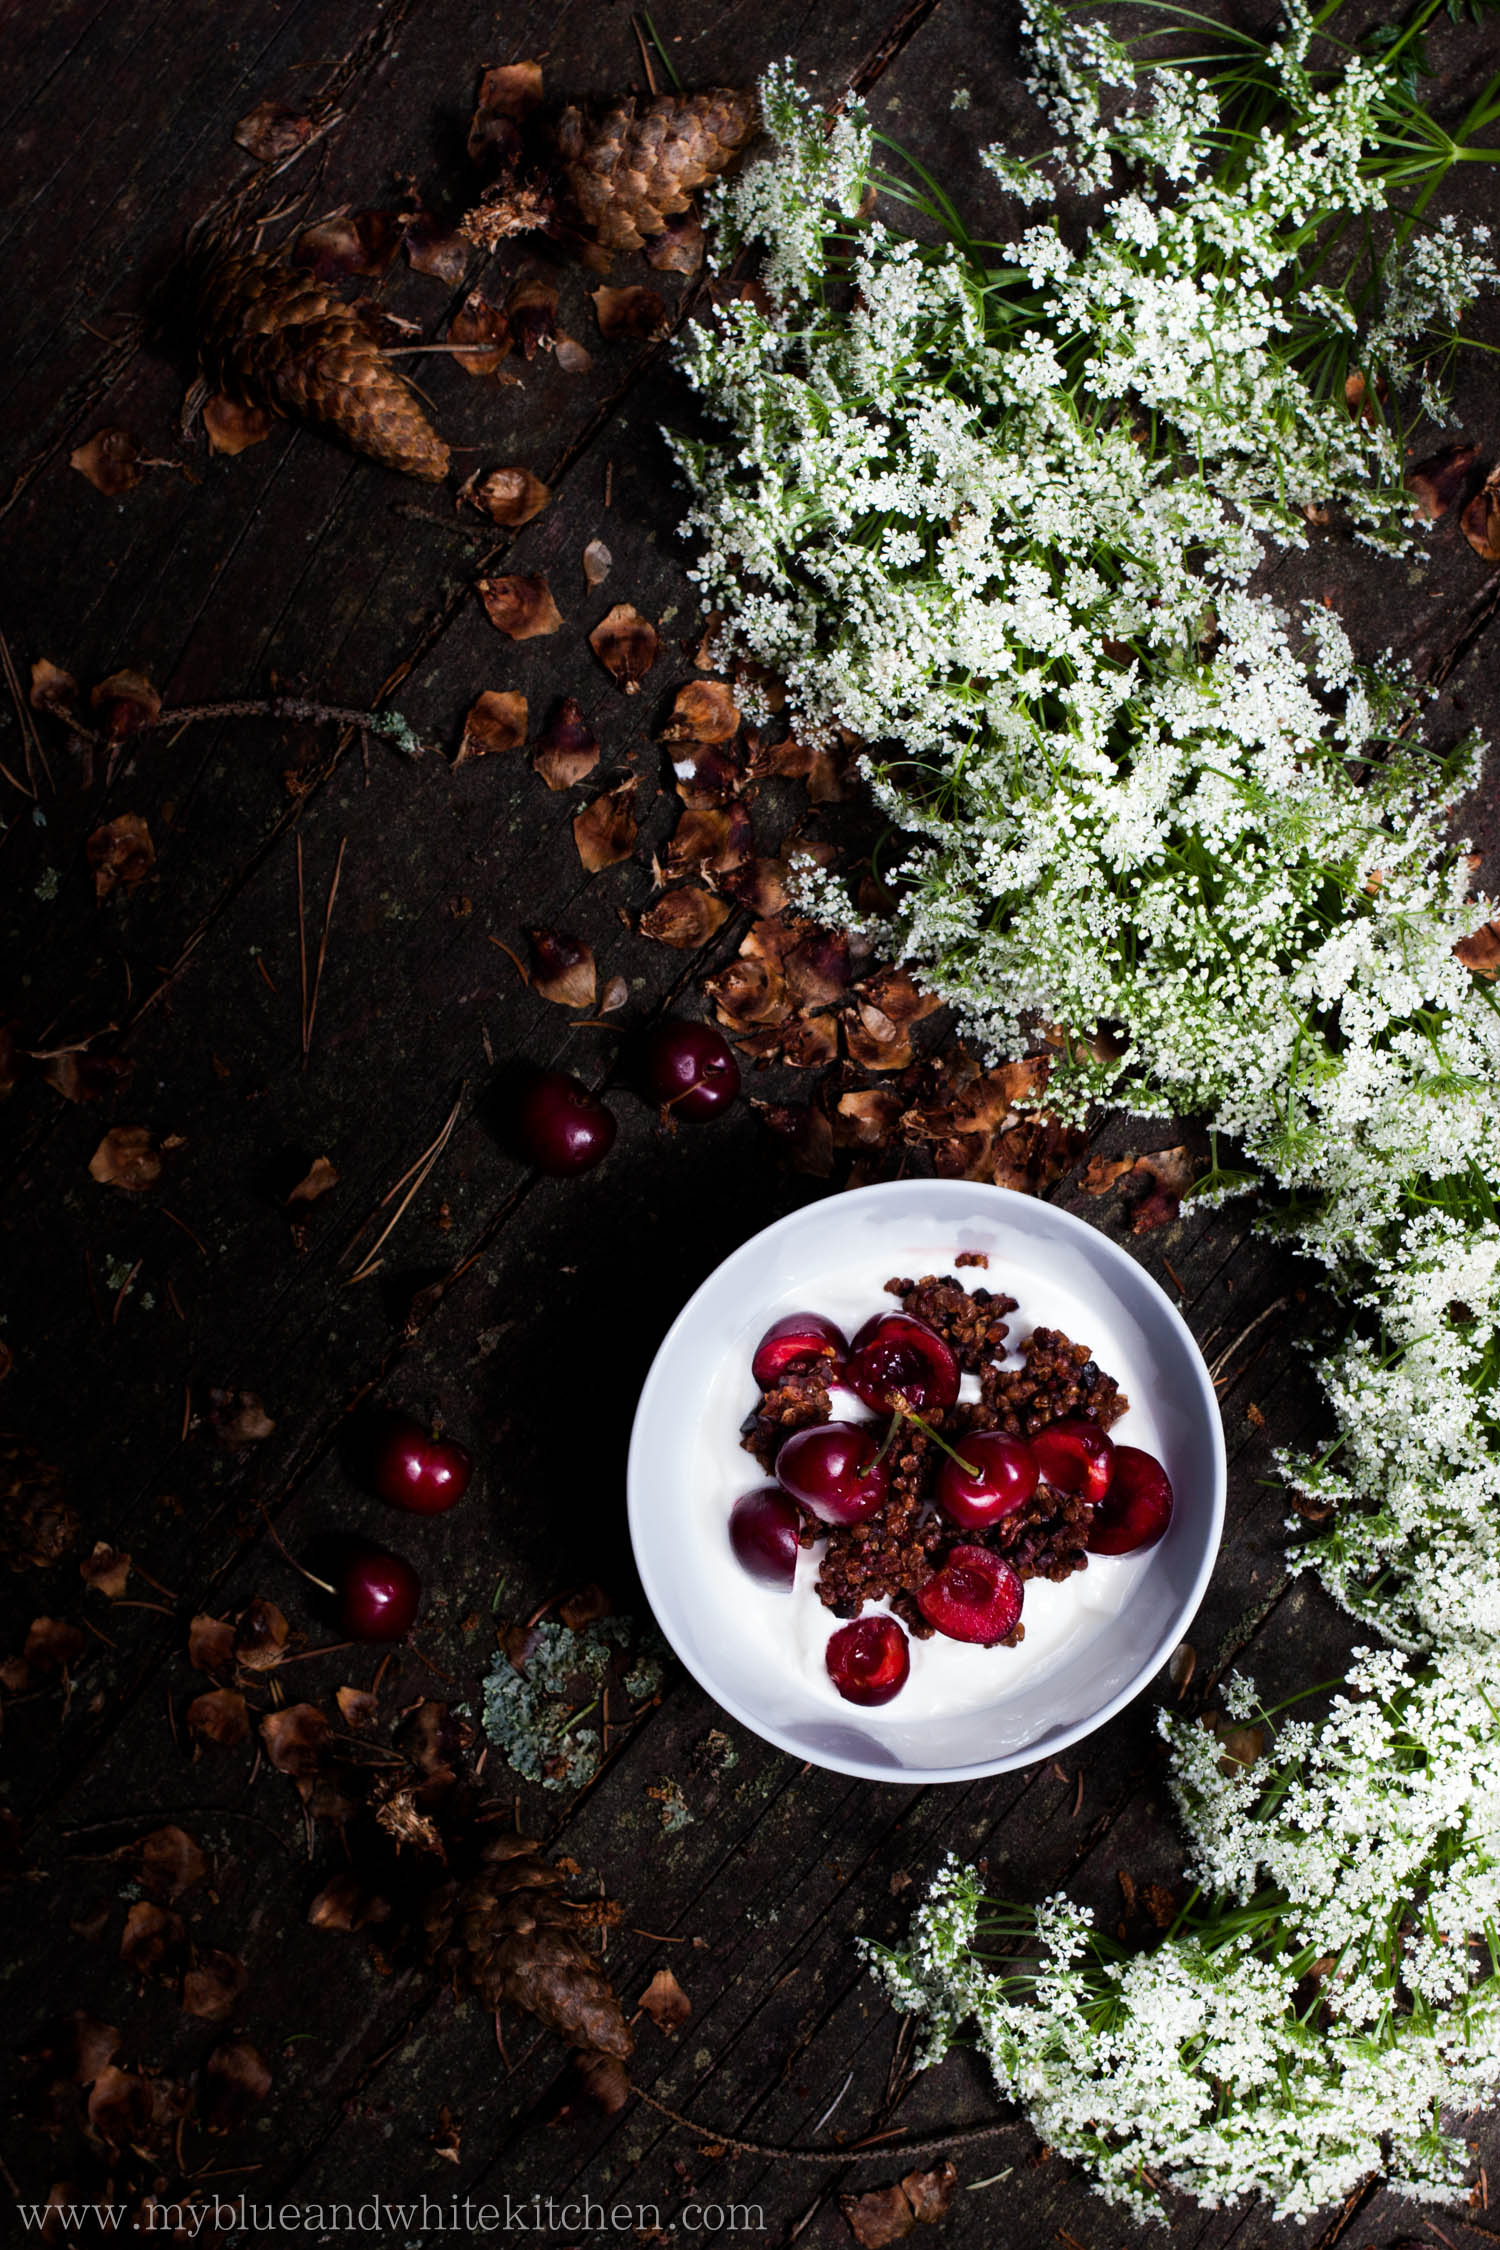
(905, 1413)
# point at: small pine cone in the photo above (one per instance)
(37, 1527)
(639, 167)
(271, 336)
(519, 1936)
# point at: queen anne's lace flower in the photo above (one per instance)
(1008, 521)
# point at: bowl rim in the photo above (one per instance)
(1113, 1256)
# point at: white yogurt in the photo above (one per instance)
(947, 1677)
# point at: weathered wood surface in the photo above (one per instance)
(298, 565)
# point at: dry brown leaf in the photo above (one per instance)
(1035, 1154)
(614, 995)
(106, 1570)
(210, 1644)
(169, 1861)
(234, 2085)
(318, 1180)
(520, 606)
(571, 356)
(605, 830)
(238, 1417)
(435, 249)
(597, 563)
(232, 428)
(712, 838)
(1443, 479)
(344, 1904)
(874, 1042)
(111, 460)
(222, 1718)
(1480, 522)
(127, 1158)
(930, 2193)
(685, 918)
(52, 689)
(1480, 950)
(272, 131)
(347, 243)
(121, 854)
(1101, 1172)
(879, 2216)
(632, 311)
(508, 92)
(211, 1987)
(53, 1645)
(357, 1707)
(703, 711)
(260, 1636)
(496, 722)
(1168, 1173)
(567, 748)
(509, 496)
(123, 702)
(295, 1737)
(152, 1936)
(804, 1135)
(562, 969)
(531, 309)
(483, 329)
(81, 1077)
(872, 1113)
(625, 644)
(665, 2002)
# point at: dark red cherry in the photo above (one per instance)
(763, 1527)
(798, 1340)
(832, 1468)
(379, 1595)
(560, 1126)
(1006, 1479)
(689, 1068)
(896, 1355)
(868, 1661)
(420, 1472)
(1137, 1508)
(1075, 1456)
(976, 1596)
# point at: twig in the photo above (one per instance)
(302, 945)
(388, 724)
(31, 741)
(418, 1176)
(640, 40)
(333, 892)
(1245, 1334)
(851, 2155)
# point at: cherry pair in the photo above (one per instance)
(688, 1069)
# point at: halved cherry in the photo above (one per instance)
(835, 1469)
(1005, 1480)
(1137, 1508)
(763, 1528)
(895, 1356)
(976, 1596)
(1075, 1456)
(868, 1661)
(798, 1340)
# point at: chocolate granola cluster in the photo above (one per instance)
(893, 1552)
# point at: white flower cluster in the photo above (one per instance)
(1003, 522)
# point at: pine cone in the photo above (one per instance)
(37, 1526)
(521, 1943)
(638, 167)
(271, 336)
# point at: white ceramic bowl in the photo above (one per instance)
(1092, 1642)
